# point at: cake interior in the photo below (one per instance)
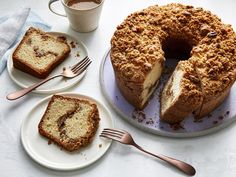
(38, 52)
(78, 124)
(172, 90)
(151, 82)
(66, 119)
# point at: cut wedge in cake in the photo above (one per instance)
(69, 122)
(181, 95)
(39, 53)
(144, 89)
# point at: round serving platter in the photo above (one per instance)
(148, 119)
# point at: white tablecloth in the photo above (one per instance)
(213, 155)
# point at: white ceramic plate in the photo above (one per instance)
(58, 84)
(51, 156)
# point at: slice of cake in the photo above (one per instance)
(69, 122)
(181, 95)
(39, 53)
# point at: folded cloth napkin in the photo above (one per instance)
(12, 29)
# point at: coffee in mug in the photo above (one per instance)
(83, 4)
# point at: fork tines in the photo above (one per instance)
(82, 65)
(84, 59)
(112, 133)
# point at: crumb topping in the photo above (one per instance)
(137, 45)
(190, 83)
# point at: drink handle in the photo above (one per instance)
(52, 10)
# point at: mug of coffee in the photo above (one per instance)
(83, 15)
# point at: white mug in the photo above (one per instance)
(81, 20)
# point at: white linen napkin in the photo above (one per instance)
(13, 27)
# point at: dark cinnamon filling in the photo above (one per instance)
(63, 118)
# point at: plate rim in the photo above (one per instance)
(146, 129)
(31, 153)
(45, 91)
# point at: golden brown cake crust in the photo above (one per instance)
(137, 45)
(73, 144)
(26, 67)
(190, 83)
(135, 49)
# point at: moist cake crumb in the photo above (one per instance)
(150, 121)
(72, 44)
(197, 120)
(209, 115)
(221, 117)
(62, 38)
(69, 122)
(176, 126)
(139, 115)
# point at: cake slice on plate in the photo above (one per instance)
(39, 53)
(70, 122)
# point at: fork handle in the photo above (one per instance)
(184, 167)
(18, 94)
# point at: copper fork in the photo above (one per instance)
(125, 138)
(72, 72)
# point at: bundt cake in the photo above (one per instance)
(199, 84)
(69, 122)
(39, 53)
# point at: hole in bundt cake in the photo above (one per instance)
(177, 48)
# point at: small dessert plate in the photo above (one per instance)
(50, 155)
(24, 80)
(148, 119)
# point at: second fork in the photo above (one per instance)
(125, 138)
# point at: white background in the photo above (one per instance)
(213, 155)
